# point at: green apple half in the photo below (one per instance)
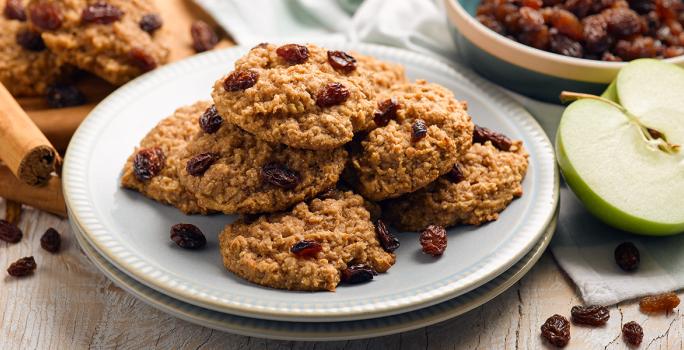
(629, 178)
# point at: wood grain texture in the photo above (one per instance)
(68, 304)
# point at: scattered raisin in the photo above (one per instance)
(148, 163)
(51, 240)
(556, 330)
(280, 175)
(593, 315)
(455, 175)
(306, 249)
(200, 163)
(633, 333)
(433, 239)
(418, 130)
(14, 9)
(356, 274)
(30, 40)
(101, 13)
(204, 38)
(210, 121)
(61, 95)
(45, 15)
(388, 241)
(9, 232)
(332, 94)
(188, 236)
(659, 303)
(150, 22)
(143, 60)
(240, 80)
(22, 267)
(627, 256)
(342, 61)
(293, 53)
(498, 140)
(387, 110)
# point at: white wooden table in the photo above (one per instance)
(68, 304)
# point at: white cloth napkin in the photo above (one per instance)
(583, 246)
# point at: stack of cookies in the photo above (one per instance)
(308, 144)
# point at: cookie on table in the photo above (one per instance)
(422, 133)
(116, 40)
(260, 251)
(27, 68)
(294, 96)
(231, 171)
(170, 137)
(486, 181)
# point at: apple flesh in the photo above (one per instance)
(621, 178)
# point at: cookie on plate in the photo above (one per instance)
(261, 251)
(154, 167)
(231, 171)
(382, 74)
(422, 132)
(293, 95)
(482, 185)
(114, 39)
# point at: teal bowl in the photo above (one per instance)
(531, 72)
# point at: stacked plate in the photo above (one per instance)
(126, 235)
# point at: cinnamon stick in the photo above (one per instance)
(48, 198)
(23, 148)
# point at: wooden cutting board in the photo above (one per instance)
(59, 124)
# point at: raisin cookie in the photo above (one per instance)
(114, 39)
(164, 145)
(232, 171)
(261, 251)
(422, 132)
(293, 95)
(383, 75)
(482, 185)
(27, 68)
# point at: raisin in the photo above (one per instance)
(642, 6)
(188, 236)
(673, 51)
(45, 15)
(563, 45)
(9, 232)
(433, 239)
(595, 33)
(418, 130)
(342, 61)
(332, 94)
(306, 249)
(101, 13)
(535, 4)
(293, 53)
(567, 24)
(538, 39)
(356, 274)
(30, 40)
(150, 22)
(633, 333)
(530, 20)
(627, 256)
(200, 163)
(491, 23)
(210, 121)
(659, 303)
(51, 240)
(280, 175)
(622, 22)
(14, 9)
(148, 163)
(607, 56)
(556, 330)
(388, 241)
(22, 267)
(639, 47)
(61, 95)
(387, 110)
(581, 8)
(593, 315)
(204, 38)
(498, 140)
(143, 60)
(455, 175)
(240, 80)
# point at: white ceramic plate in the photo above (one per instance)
(132, 231)
(321, 331)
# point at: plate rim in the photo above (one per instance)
(105, 242)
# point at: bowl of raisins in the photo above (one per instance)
(541, 47)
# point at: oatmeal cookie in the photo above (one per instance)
(383, 75)
(232, 171)
(171, 135)
(301, 101)
(489, 180)
(102, 37)
(405, 155)
(27, 68)
(259, 251)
